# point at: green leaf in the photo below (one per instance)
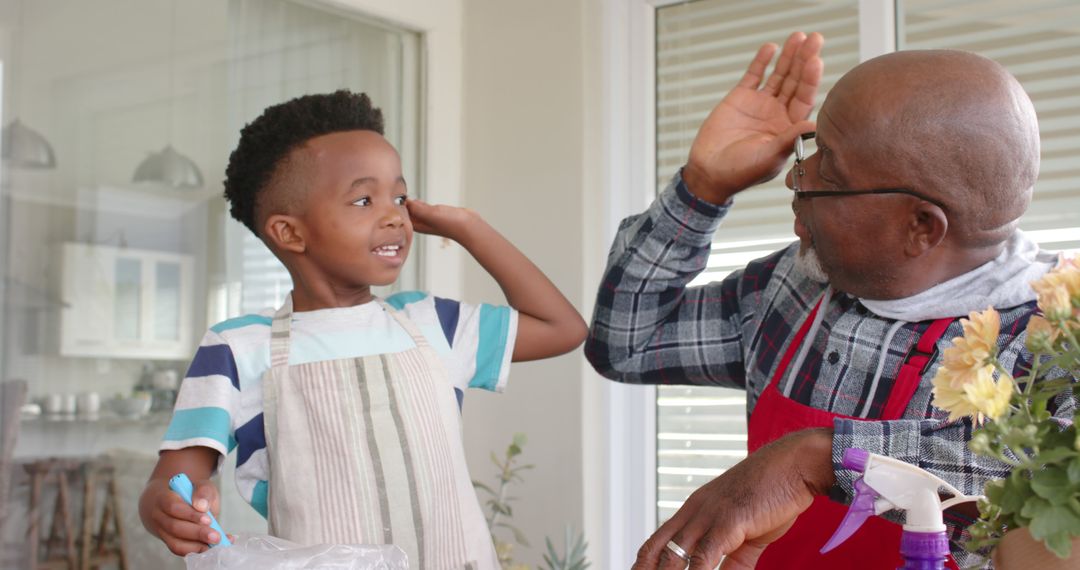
(1053, 485)
(1055, 454)
(1055, 525)
(520, 537)
(1073, 471)
(519, 439)
(1013, 494)
(483, 487)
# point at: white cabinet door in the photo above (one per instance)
(126, 303)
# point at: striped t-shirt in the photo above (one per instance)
(220, 402)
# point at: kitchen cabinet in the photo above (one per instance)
(126, 303)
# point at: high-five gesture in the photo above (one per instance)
(748, 136)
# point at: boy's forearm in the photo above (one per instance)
(548, 324)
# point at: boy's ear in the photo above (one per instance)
(285, 232)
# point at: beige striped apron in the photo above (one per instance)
(368, 451)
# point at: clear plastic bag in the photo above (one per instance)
(270, 553)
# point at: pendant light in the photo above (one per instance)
(169, 167)
(24, 147)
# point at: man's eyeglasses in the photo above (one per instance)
(805, 147)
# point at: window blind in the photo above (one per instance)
(1039, 43)
(702, 49)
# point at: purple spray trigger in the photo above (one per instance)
(862, 507)
(856, 459)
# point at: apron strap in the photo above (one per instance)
(417, 337)
(796, 343)
(917, 361)
(279, 334)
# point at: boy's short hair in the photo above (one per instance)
(267, 141)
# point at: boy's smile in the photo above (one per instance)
(357, 231)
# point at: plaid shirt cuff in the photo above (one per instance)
(681, 216)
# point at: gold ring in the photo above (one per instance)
(678, 550)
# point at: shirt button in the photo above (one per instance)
(834, 357)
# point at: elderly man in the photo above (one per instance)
(906, 204)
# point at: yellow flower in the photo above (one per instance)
(1041, 335)
(951, 393)
(977, 346)
(972, 392)
(964, 355)
(981, 330)
(964, 383)
(1059, 290)
(989, 397)
(1053, 297)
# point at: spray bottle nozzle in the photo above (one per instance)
(887, 484)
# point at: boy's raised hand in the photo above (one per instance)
(439, 220)
(548, 325)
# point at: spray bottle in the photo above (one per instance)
(888, 484)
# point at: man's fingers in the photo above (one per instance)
(802, 100)
(810, 49)
(672, 560)
(688, 538)
(648, 556)
(743, 558)
(711, 546)
(783, 66)
(752, 78)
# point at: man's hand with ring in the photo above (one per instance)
(740, 512)
(678, 550)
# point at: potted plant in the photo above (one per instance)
(1035, 512)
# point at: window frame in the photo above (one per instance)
(625, 477)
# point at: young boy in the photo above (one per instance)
(343, 407)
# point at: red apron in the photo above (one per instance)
(876, 545)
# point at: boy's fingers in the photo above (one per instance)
(204, 498)
(181, 547)
(183, 530)
(176, 508)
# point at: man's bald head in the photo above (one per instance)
(953, 125)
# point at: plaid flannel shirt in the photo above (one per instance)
(649, 327)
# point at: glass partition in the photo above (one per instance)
(116, 248)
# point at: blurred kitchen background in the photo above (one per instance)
(117, 248)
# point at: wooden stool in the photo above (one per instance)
(107, 546)
(43, 472)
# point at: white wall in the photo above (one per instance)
(524, 165)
